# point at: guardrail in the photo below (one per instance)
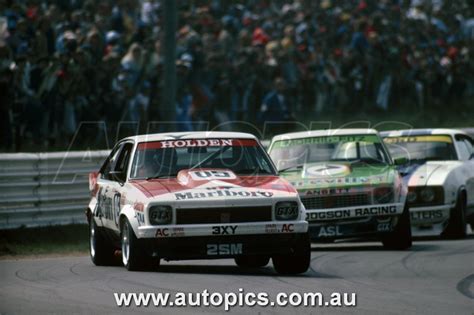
(41, 189)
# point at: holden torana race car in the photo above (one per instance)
(439, 171)
(195, 195)
(348, 184)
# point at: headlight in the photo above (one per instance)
(286, 210)
(160, 215)
(427, 194)
(383, 195)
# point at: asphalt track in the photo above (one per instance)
(435, 277)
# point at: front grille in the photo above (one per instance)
(223, 215)
(328, 202)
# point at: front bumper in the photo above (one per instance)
(429, 215)
(216, 247)
(225, 229)
(359, 221)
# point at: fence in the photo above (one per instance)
(41, 189)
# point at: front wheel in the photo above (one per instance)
(457, 220)
(400, 237)
(296, 262)
(134, 257)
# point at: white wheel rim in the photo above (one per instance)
(92, 239)
(125, 244)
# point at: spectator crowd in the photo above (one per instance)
(63, 62)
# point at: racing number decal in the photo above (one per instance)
(224, 249)
(107, 207)
(116, 207)
(212, 174)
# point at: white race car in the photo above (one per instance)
(195, 195)
(440, 175)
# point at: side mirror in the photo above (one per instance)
(400, 160)
(117, 176)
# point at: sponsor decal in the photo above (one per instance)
(340, 180)
(326, 192)
(271, 228)
(211, 175)
(384, 227)
(427, 215)
(329, 231)
(191, 143)
(162, 232)
(285, 228)
(224, 230)
(224, 249)
(358, 212)
(288, 228)
(338, 214)
(326, 170)
(169, 232)
(222, 193)
(326, 139)
(428, 138)
(376, 210)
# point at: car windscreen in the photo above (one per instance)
(422, 148)
(294, 153)
(166, 158)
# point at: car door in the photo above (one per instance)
(102, 211)
(115, 181)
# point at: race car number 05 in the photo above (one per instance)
(211, 174)
(224, 249)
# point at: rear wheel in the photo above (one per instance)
(252, 261)
(457, 220)
(296, 262)
(400, 237)
(134, 257)
(101, 250)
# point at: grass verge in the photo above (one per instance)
(41, 241)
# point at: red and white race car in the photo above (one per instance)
(195, 195)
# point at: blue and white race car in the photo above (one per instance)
(439, 171)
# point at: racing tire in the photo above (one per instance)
(400, 238)
(100, 249)
(296, 262)
(252, 261)
(457, 224)
(134, 256)
(471, 222)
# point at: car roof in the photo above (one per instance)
(422, 132)
(191, 135)
(326, 132)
